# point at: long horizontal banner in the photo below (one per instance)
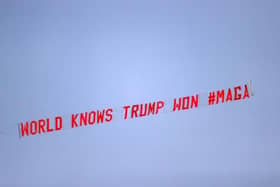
(106, 115)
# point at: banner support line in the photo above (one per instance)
(19, 136)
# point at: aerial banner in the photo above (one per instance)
(153, 108)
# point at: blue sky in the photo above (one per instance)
(58, 58)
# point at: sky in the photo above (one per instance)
(64, 57)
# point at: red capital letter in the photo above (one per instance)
(176, 105)
(73, 121)
(125, 111)
(109, 114)
(58, 123)
(246, 93)
(220, 94)
(160, 104)
(236, 95)
(24, 129)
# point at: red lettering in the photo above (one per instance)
(176, 105)
(143, 113)
(229, 95)
(41, 126)
(185, 107)
(134, 110)
(237, 96)
(24, 129)
(33, 127)
(151, 109)
(160, 105)
(125, 111)
(83, 118)
(109, 114)
(48, 126)
(100, 116)
(194, 101)
(58, 123)
(73, 121)
(91, 118)
(246, 93)
(220, 94)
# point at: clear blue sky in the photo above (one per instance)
(60, 57)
